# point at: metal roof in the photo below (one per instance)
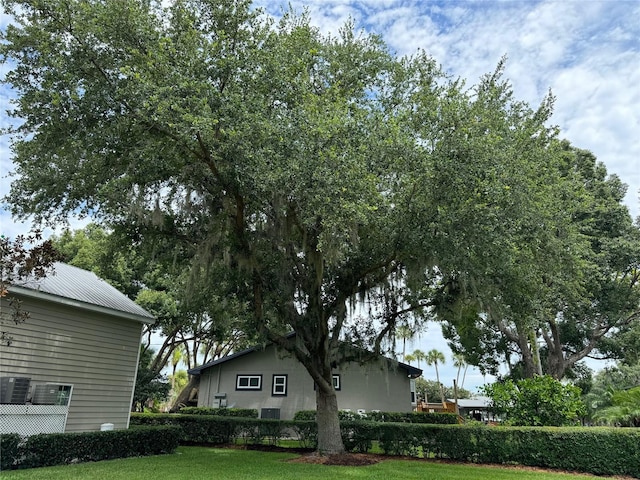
(83, 289)
(476, 402)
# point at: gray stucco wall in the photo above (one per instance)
(369, 387)
(95, 353)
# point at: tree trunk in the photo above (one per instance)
(329, 437)
(187, 394)
(526, 355)
(439, 384)
(535, 353)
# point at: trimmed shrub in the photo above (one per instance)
(343, 415)
(195, 428)
(258, 431)
(357, 435)
(307, 432)
(221, 412)
(600, 451)
(65, 448)
(414, 417)
(596, 450)
(397, 417)
(306, 415)
(9, 444)
(400, 439)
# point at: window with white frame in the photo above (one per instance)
(279, 385)
(337, 384)
(249, 382)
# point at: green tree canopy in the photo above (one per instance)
(295, 174)
(206, 328)
(151, 387)
(582, 299)
(624, 409)
(26, 258)
(431, 391)
(537, 401)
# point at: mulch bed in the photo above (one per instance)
(345, 459)
(309, 455)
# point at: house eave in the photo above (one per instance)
(31, 293)
(412, 372)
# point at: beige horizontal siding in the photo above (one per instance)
(95, 353)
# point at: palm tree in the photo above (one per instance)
(459, 361)
(409, 358)
(176, 357)
(625, 409)
(404, 332)
(419, 355)
(433, 357)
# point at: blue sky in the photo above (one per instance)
(586, 51)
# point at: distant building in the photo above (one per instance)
(278, 386)
(476, 408)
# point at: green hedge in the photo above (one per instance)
(414, 417)
(64, 448)
(596, 450)
(600, 451)
(196, 429)
(9, 445)
(193, 428)
(221, 412)
(398, 417)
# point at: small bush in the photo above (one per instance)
(343, 415)
(396, 417)
(414, 417)
(401, 439)
(195, 428)
(306, 432)
(9, 444)
(221, 412)
(358, 435)
(305, 416)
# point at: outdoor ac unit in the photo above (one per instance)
(14, 390)
(44, 394)
(270, 413)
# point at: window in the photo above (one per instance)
(336, 381)
(63, 394)
(249, 382)
(279, 385)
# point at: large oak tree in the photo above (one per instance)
(299, 174)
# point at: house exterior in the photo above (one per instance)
(278, 386)
(477, 408)
(76, 355)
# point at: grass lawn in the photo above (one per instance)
(195, 463)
